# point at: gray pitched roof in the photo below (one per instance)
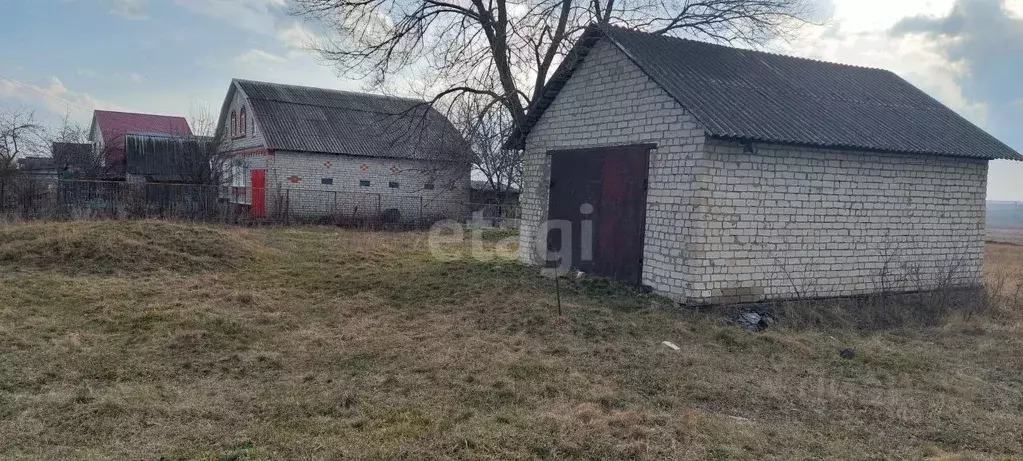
(299, 118)
(757, 96)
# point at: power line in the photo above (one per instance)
(30, 88)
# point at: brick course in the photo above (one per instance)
(308, 194)
(781, 222)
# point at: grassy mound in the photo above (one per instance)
(124, 247)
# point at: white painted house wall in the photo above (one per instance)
(302, 175)
(724, 225)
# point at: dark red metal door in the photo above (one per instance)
(612, 181)
(258, 184)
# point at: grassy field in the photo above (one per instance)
(164, 341)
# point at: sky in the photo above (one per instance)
(178, 57)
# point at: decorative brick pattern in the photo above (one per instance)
(727, 225)
(347, 171)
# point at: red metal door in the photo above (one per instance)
(612, 181)
(258, 185)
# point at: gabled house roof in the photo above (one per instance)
(114, 125)
(757, 96)
(306, 119)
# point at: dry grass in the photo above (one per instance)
(128, 248)
(330, 344)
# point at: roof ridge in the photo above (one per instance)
(750, 50)
(307, 87)
(137, 113)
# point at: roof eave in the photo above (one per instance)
(582, 47)
(1009, 155)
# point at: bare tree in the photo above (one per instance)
(486, 127)
(505, 50)
(20, 134)
(74, 155)
(204, 164)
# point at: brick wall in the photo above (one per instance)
(303, 174)
(610, 101)
(786, 222)
(253, 135)
(725, 225)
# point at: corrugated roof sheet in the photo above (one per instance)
(300, 118)
(758, 96)
(115, 125)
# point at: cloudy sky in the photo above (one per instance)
(178, 56)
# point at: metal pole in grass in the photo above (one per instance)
(557, 282)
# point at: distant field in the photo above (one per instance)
(1005, 215)
(153, 340)
(1005, 235)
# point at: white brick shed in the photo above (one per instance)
(314, 152)
(759, 176)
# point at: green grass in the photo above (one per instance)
(325, 343)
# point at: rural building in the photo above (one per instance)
(320, 152)
(494, 206)
(38, 168)
(483, 192)
(109, 129)
(715, 174)
(170, 159)
(73, 160)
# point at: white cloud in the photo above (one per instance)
(257, 56)
(860, 36)
(1014, 8)
(129, 9)
(135, 77)
(254, 15)
(879, 15)
(86, 73)
(52, 96)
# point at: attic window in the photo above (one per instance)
(243, 124)
(234, 123)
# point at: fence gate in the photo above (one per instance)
(607, 187)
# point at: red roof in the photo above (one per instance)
(114, 125)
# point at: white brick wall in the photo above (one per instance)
(610, 101)
(302, 174)
(253, 134)
(724, 225)
(788, 221)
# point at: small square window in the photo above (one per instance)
(327, 181)
(428, 186)
(392, 185)
(364, 183)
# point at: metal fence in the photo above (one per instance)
(52, 199)
(495, 215)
